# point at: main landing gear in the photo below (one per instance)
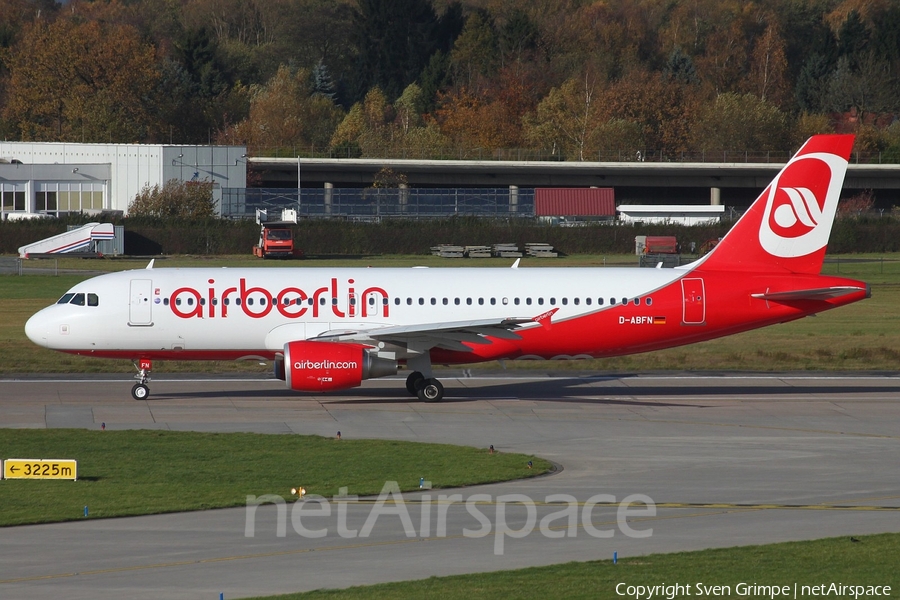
(140, 391)
(427, 389)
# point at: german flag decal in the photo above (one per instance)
(659, 320)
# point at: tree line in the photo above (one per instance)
(577, 79)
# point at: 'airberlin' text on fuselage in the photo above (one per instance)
(291, 302)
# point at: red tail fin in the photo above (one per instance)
(788, 226)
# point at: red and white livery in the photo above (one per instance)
(329, 329)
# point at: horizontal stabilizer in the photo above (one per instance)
(815, 294)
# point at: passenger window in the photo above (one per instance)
(505, 301)
(481, 301)
(456, 301)
(237, 301)
(433, 301)
(516, 301)
(384, 301)
(493, 301)
(321, 301)
(552, 301)
(637, 301)
(600, 301)
(649, 301)
(612, 301)
(576, 301)
(65, 299)
(397, 301)
(371, 301)
(421, 301)
(445, 302)
(226, 301)
(166, 301)
(469, 301)
(249, 301)
(409, 301)
(215, 301)
(541, 301)
(191, 301)
(528, 301)
(177, 301)
(565, 301)
(93, 300)
(587, 301)
(202, 301)
(624, 300)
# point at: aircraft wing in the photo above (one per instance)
(450, 335)
(814, 294)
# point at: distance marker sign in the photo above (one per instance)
(41, 468)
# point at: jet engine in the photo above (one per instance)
(326, 366)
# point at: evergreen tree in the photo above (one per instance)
(394, 40)
(323, 85)
(811, 89)
(680, 67)
(853, 38)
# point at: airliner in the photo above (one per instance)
(330, 329)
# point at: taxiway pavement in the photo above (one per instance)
(726, 459)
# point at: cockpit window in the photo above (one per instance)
(65, 299)
(78, 300)
(93, 300)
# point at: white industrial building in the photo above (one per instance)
(44, 178)
(700, 214)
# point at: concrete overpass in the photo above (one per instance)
(734, 184)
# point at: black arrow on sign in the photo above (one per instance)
(13, 469)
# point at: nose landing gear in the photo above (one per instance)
(140, 390)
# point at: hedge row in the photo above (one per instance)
(334, 237)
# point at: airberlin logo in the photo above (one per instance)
(328, 301)
(801, 205)
(325, 364)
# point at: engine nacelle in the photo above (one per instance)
(324, 366)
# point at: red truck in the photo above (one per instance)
(276, 239)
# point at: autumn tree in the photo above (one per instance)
(741, 122)
(567, 119)
(80, 81)
(286, 112)
(474, 55)
(374, 127)
(768, 68)
(176, 199)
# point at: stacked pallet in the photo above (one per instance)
(478, 251)
(448, 251)
(506, 250)
(540, 251)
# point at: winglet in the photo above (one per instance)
(545, 318)
(150, 265)
(515, 265)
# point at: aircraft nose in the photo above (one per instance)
(36, 329)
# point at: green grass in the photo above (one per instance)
(862, 336)
(871, 561)
(146, 472)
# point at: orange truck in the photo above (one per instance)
(276, 239)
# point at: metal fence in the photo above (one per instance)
(548, 155)
(374, 204)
